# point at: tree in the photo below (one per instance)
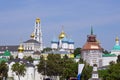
(46, 49)
(106, 52)
(57, 66)
(77, 51)
(53, 63)
(103, 74)
(69, 68)
(19, 69)
(3, 70)
(11, 57)
(111, 73)
(118, 59)
(29, 58)
(87, 72)
(42, 65)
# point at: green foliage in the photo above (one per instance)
(104, 74)
(77, 51)
(70, 68)
(11, 57)
(55, 66)
(42, 66)
(3, 70)
(19, 69)
(87, 72)
(29, 58)
(46, 49)
(118, 59)
(105, 52)
(112, 73)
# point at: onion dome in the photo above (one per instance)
(32, 35)
(54, 40)
(71, 41)
(20, 48)
(62, 35)
(37, 20)
(116, 47)
(64, 40)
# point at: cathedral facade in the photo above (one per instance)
(62, 43)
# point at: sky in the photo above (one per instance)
(17, 18)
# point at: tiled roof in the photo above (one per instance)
(57, 52)
(92, 46)
(31, 41)
(36, 53)
(7, 53)
(3, 59)
(27, 63)
(9, 47)
(108, 55)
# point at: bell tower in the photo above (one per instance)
(38, 32)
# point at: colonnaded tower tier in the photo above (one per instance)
(38, 32)
(92, 51)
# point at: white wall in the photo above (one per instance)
(107, 60)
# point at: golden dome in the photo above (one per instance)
(20, 48)
(117, 39)
(37, 20)
(62, 35)
(32, 35)
(71, 55)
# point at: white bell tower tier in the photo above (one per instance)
(38, 32)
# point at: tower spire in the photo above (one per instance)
(91, 30)
(62, 28)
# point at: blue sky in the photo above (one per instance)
(17, 19)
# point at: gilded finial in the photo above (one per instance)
(37, 20)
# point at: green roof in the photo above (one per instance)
(3, 59)
(77, 56)
(116, 47)
(108, 55)
(7, 53)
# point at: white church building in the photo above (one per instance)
(62, 43)
(31, 72)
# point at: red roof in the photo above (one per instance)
(91, 46)
(92, 43)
